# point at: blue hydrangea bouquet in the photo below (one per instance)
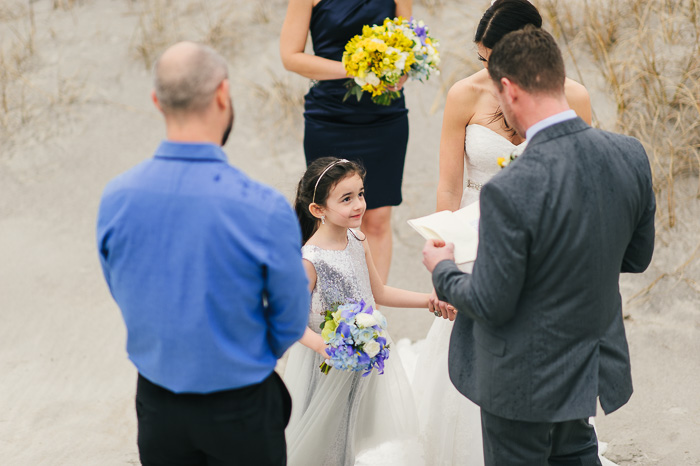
(356, 336)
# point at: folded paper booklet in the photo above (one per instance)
(460, 227)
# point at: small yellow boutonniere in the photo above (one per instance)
(503, 162)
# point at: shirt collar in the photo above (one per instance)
(198, 151)
(549, 121)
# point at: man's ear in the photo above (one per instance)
(222, 94)
(316, 210)
(510, 90)
(154, 97)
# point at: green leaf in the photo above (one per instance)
(325, 368)
(386, 98)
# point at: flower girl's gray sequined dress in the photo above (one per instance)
(337, 415)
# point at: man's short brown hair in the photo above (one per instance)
(529, 58)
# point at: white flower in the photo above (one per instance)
(400, 63)
(365, 320)
(519, 149)
(359, 81)
(381, 320)
(372, 79)
(371, 348)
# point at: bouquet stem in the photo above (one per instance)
(325, 368)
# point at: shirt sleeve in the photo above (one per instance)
(490, 294)
(103, 233)
(286, 284)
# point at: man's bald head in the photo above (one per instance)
(186, 77)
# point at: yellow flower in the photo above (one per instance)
(329, 330)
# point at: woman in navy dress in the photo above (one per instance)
(372, 134)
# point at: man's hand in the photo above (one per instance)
(436, 251)
(441, 308)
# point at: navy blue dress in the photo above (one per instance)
(363, 131)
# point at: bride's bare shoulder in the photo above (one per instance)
(574, 89)
(578, 99)
(471, 88)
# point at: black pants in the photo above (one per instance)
(244, 426)
(508, 442)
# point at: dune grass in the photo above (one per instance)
(649, 56)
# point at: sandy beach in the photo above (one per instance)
(77, 111)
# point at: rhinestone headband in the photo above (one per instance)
(313, 198)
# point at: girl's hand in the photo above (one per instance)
(321, 349)
(441, 308)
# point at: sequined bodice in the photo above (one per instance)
(341, 276)
(482, 147)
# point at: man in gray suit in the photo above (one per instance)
(539, 335)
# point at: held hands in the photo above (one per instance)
(436, 251)
(441, 308)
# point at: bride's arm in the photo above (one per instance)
(293, 42)
(578, 99)
(459, 109)
(311, 339)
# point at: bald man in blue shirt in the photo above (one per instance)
(205, 265)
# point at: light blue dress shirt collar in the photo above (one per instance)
(190, 151)
(549, 121)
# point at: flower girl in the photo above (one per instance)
(337, 414)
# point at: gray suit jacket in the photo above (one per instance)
(539, 334)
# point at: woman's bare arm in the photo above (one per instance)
(293, 42)
(459, 108)
(578, 99)
(404, 8)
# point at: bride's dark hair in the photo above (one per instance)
(502, 17)
(319, 179)
(505, 16)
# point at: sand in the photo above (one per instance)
(80, 113)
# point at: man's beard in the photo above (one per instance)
(227, 131)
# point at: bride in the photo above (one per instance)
(474, 130)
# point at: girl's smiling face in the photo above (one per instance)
(346, 204)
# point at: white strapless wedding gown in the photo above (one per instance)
(450, 423)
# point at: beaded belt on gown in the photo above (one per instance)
(474, 185)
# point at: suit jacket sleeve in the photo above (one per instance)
(641, 247)
(286, 285)
(490, 294)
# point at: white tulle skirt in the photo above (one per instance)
(337, 415)
(344, 419)
(450, 423)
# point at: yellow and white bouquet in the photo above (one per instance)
(378, 58)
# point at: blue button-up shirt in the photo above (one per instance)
(205, 265)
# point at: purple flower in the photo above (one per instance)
(421, 32)
(343, 329)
